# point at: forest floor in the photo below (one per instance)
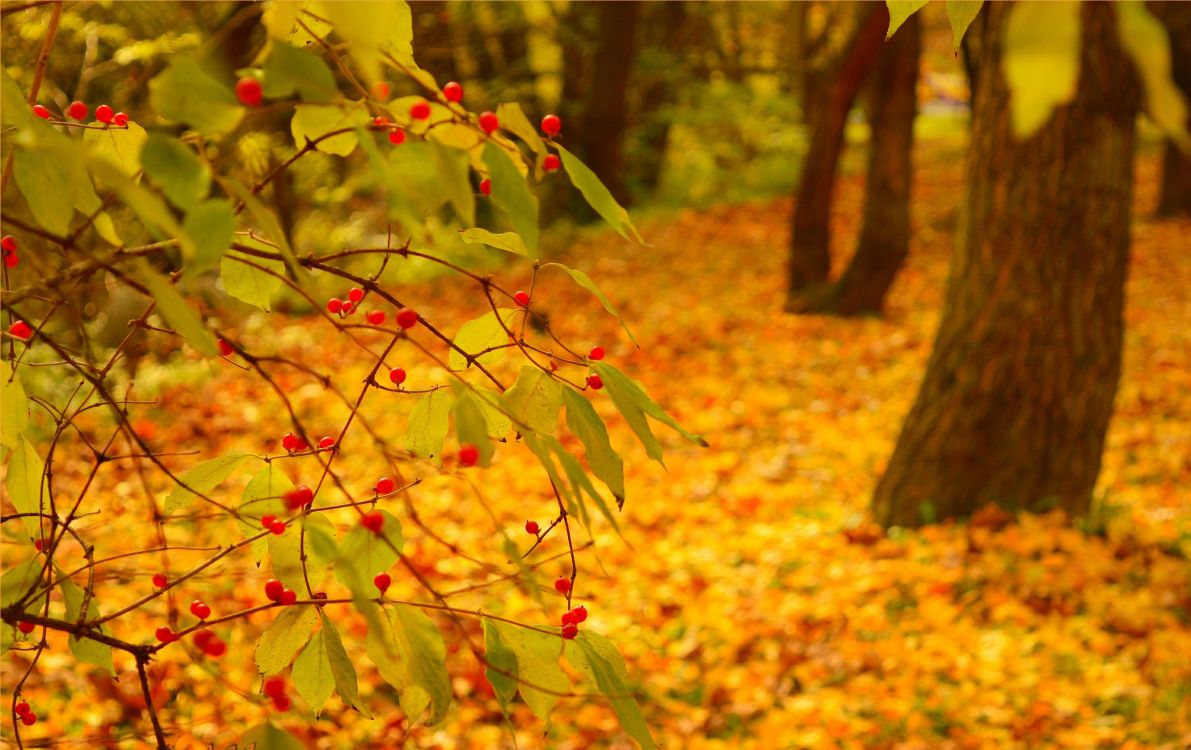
(755, 605)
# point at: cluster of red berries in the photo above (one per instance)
(78, 111)
(292, 443)
(382, 581)
(209, 643)
(277, 592)
(200, 609)
(342, 307)
(8, 246)
(270, 522)
(274, 688)
(396, 134)
(25, 714)
(571, 620)
(299, 497)
(20, 330)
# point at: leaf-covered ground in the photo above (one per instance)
(754, 604)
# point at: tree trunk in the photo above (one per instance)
(810, 261)
(1175, 198)
(667, 42)
(1018, 391)
(885, 235)
(606, 114)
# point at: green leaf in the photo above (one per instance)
(85, 649)
(534, 400)
(429, 424)
(342, 669)
(369, 29)
(14, 407)
(502, 666)
(312, 673)
(600, 662)
(285, 553)
(585, 423)
(900, 11)
(498, 422)
(1146, 42)
(513, 119)
(1041, 61)
(478, 335)
(961, 13)
(19, 580)
(634, 403)
(597, 195)
(470, 426)
(409, 654)
(25, 473)
(261, 497)
(14, 109)
(280, 17)
(288, 633)
(454, 172)
(510, 242)
(123, 147)
(290, 69)
(312, 121)
(45, 181)
(203, 478)
(400, 208)
(246, 282)
(87, 202)
(511, 194)
(211, 226)
(537, 666)
(267, 221)
(585, 281)
(185, 92)
(266, 736)
(175, 168)
(147, 205)
(363, 554)
(417, 176)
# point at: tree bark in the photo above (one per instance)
(810, 261)
(1175, 196)
(1018, 391)
(885, 235)
(606, 114)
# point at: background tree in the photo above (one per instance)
(1175, 196)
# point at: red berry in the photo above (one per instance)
(41, 112)
(531, 527)
(326, 442)
(298, 497)
(288, 596)
(203, 637)
(453, 91)
(489, 122)
(373, 521)
(38, 544)
(379, 122)
(407, 318)
(568, 618)
(551, 125)
(216, 648)
(20, 330)
(551, 163)
(397, 136)
(77, 110)
(120, 120)
(382, 581)
(225, 348)
(380, 90)
(348, 306)
(200, 609)
(468, 455)
(281, 702)
(166, 635)
(290, 442)
(273, 589)
(21, 708)
(25, 627)
(160, 580)
(384, 486)
(334, 305)
(274, 685)
(277, 528)
(486, 186)
(249, 92)
(397, 375)
(595, 382)
(579, 614)
(29, 719)
(570, 630)
(267, 520)
(103, 113)
(521, 298)
(11, 259)
(375, 317)
(597, 353)
(562, 585)
(355, 294)
(420, 110)
(9, 243)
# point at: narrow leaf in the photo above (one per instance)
(14, 407)
(244, 279)
(622, 388)
(470, 426)
(1146, 41)
(24, 480)
(585, 281)
(534, 400)
(363, 554)
(602, 664)
(510, 242)
(266, 736)
(585, 423)
(173, 166)
(123, 147)
(961, 13)
(342, 669)
(479, 335)
(186, 92)
(85, 649)
(597, 195)
(262, 496)
(900, 11)
(502, 666)
(312, 673)
(210, 226)
(288, 633)
(44, 180)
(537, 667)
(290, 69)
(203, 478)
(312, 121)
(511, 194)
(429, 424)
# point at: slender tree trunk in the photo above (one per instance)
(606, 115)
(810, 261)
(1018, 391)
(1175, 198)
(666, 21)
(885, 235)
